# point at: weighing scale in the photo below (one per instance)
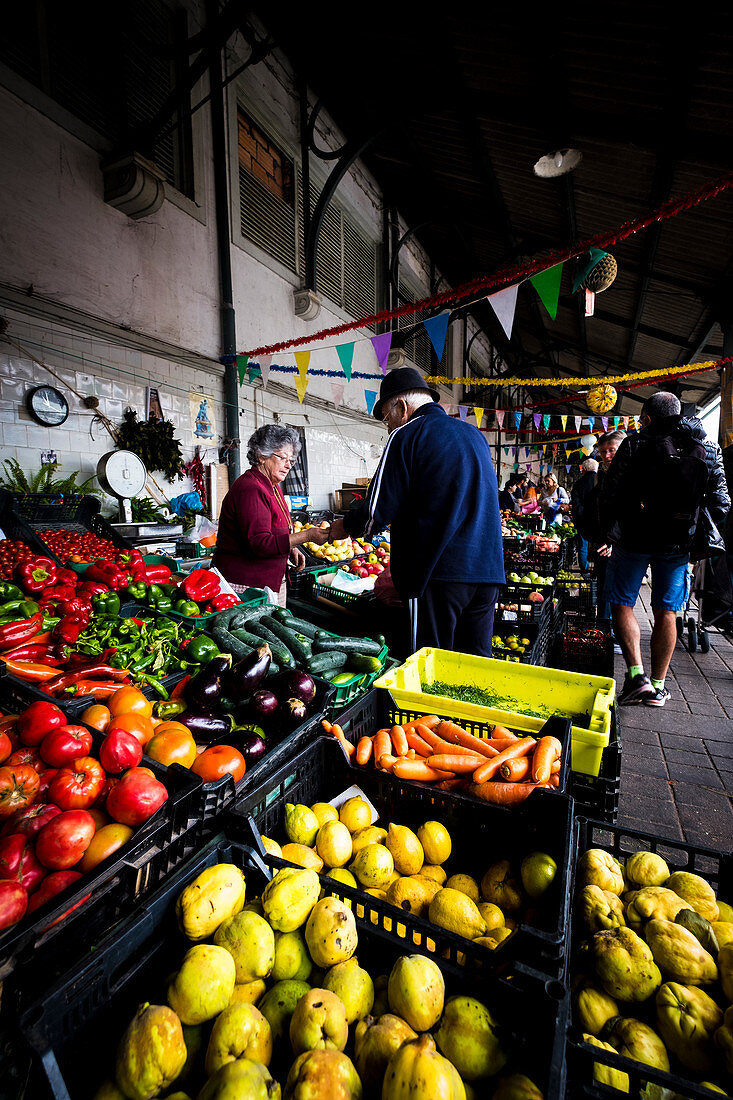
(122, 474)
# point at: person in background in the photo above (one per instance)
(509, 497)
(662, 480)
(554, 500)
(436, 487)
(579, 494)
(255, 537)
(606, 448)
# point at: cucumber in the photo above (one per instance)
(297, 643)
(280, 651)
(363, 662)
(301, 625)
(347, 645)
(248, 639)
(228, 643)
(327, 662)
(243, 615)
(280, 613)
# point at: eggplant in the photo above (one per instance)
(206, 728)
(264, 703)
(293, 712)
(203, 691)
(247, 675)
(294, 683)
(251, 746)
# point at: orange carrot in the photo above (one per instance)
(363, 750)
(418, 769)
(491, 767)
(387, 761)
(554, 781)
(382, 745)
(555, 767)
(346, 745)
(503, 794)
(449, 731)
(458, 784)
(501, 733)
(429, 720)
(416, 742)
(548, 750)
(451, 762)
(397, 735)
(499, 746)
(410, 755)
(326, 725)
(514, 770)
(439, 745)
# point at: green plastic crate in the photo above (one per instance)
(526, 695)
(318, 589)
(251, 597)
(358, 684)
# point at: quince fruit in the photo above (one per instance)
(599, 868)
(600, 908)
(679, 954)
(645, 869)
(688, 1019)
(696, 892)
(624, 964)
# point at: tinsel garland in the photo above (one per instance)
(593, 380)
(508, 275)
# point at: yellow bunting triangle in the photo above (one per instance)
(479, 414)
(564, 421)
(301, 385)
(302, 359)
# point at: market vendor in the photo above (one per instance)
(436, 487)
(255, 537)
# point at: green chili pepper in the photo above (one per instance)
(141, 662)
(21, 609)
(169, 708)
(128, 629)
(50, 623)
(106, 603)
(201, 648)
(153, 683)
(9, 592)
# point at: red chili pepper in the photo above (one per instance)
(15, 634)
(201, 585)
(32, 673)
(96, 671)
(36, 574)
(93, 687)
(223, 600)
(37, 652)
(179, 690)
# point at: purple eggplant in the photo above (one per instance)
(203, 691)
(206, 728)
(293, 683)
(251, 746)
(292, 712)
(264, 703)
(247, 675)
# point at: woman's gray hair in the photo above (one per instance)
(269, 439)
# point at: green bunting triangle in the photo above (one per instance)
(547, 285)
(242, 361)
(253, 372)
(345, 353)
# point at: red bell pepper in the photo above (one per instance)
(70, 627)
(91, 588)
(36, 574)
(20, 633)
(157, 574)
(126, 558)
(201, 585)
(138, 571)
(58, 592)
(222, 601)
(110, 574)
(66, 576)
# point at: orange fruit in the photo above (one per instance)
(172, 747)
(96, 716)
(130, 700)
(136, 724)
(104, 842)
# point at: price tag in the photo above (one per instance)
(510, 616)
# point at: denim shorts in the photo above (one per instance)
(670, 579)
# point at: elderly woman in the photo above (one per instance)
(554, 499)
(256, 535)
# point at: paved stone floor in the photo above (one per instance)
(677, 760)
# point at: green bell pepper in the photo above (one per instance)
(187, 607)
(164, 603)
(137, 590)
(9, 592)
(201, 648)
(20, 609)
(106, 603)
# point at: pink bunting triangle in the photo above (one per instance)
(504, 304)
(625, 422)
(500, 416)
(337, 392)
(382, 345)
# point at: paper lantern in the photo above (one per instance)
(587, 444)
(601, 398)
(600, 277)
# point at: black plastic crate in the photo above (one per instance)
(527, 611)
(598, 796)
(300, 581)
(538, 633)
(74, 513)
(16, 695)
(321, 772)
(717, 869)
(584, 645)
(579, 597)
(74, 1029)
(16, 528)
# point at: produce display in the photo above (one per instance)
(510, 648)
(339, 550)
(653, 975)
(504, 769)
(289, 996)
(78, 546)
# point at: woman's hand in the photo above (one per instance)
(297, 557)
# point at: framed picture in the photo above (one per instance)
(153, 410)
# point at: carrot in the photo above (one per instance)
(547, 751)
(382, 745)
(346, 745)
(555, 767)
(499, 746)
(461, 765)
(513, 770)
(503, 794)
(387, 761)
(554, 780)
(491, 767)
(429, 720)
(458, 784)
(449, 731)
(326, 725)
(363, 750)
(439, 745)
(397, 734)
(419, 744)
(418, 769)
(410, 755)
(501, 733)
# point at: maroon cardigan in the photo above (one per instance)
(253, 542)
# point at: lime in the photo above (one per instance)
(538, 871)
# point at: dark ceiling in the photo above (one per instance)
(461, 105)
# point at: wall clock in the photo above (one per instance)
(47, 405)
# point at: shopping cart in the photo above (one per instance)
(709, 604)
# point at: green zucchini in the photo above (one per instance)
(244, 615)
(327, 662)
(297, 643)
(280, 651)
(347, 645)
(249, 639)
(228, 643)
(364, 662)
(301, 625)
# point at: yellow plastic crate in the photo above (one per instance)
(526, 696)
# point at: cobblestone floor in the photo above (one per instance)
(677, 760)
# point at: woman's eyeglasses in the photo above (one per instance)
(285, 458)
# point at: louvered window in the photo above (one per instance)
(112, 79)
(267, 193)
(346, 264)
(418, 348)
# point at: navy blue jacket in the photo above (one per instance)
(436, 487)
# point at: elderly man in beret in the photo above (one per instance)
(436, 487)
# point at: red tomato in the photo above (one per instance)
(18, 788)
(119, 751)
(18, 862)
(13, 903)
(29, 822)
(52, 885)
(63, 745)
(6, 747)
(78, 786)
(135, 797)
(25, 755)
(45, 778)
(62, 842)
(219, 760)
(38, 720)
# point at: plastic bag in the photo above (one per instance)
(203, 531)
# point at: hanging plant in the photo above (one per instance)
(154, 442)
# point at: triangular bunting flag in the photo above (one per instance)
(302, 359)
(337, 391)
(504, 304)
(591, 422)
(242, 361)
(436, 328)
(526, 452)
(537, 417)
(604, 422)
(547, 285)
(578, 422)
(506, 450)
(567, 467)
(370, 396)
(529, 466)
(500, 417)
(463, 412)
(516, 466)
(345, 353)
(542, 466)
(265, 361)
(545, 421)
(381, 345)
(479, 414)
(253, 371)
(586, 265)
(615, 423)
(515, 452)
(517, 419)
(625, 422)
(301, 385)
(564, 420)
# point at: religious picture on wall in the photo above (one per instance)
(154, 410)
(203, 423)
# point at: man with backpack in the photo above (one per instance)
(656, 493)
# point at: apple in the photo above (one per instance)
(372, 559)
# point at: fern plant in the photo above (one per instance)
(43, 481)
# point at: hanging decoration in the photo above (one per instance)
(382, 345)
(576, 383)
(241, 361)
(601, 399)
(479, 414)
(545, 421)
(564, 421)
(345, 353)
(499, 414)
(265, 363)
(604, 422)
(504, 305)
(537, 417)
(591, 422)
(437, 328)
(370, 396)
(463, 412)
(547, 285)
(517, 419)
(302, 362)
(337, 392)
(301, 385)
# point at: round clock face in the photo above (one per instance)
(47, 405)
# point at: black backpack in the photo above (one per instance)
(673, 479)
